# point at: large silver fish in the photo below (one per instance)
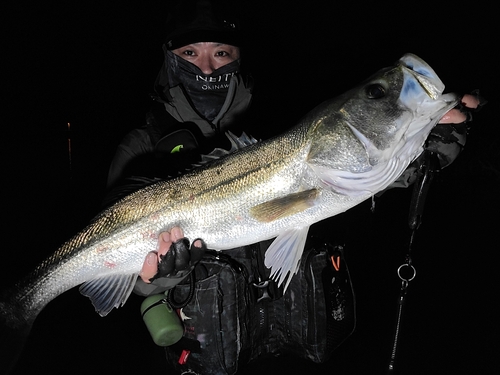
(341, 153)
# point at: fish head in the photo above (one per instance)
(363, 140)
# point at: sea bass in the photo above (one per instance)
(341, 153)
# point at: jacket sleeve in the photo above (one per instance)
(143, 289)
(135, 144)
(446, 141)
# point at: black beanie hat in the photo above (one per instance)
(194, 21)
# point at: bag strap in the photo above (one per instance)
(180, 305)
(264, 288)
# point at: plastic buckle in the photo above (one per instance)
(263, 286)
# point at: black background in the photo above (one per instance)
(92, 64)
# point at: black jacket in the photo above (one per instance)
(175, 131)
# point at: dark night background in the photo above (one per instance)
(92, 63)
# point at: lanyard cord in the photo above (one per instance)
(406, 271)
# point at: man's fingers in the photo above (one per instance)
(182, 254)
(167, 263)
(173, 254)
(164, 243)
(470, 101)
(453, 116)
(150, 267)
(198, 250)
(176, 234)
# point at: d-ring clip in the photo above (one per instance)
(407, 269)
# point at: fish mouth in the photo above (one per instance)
(424, 74)
(422, 88)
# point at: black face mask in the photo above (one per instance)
(207, 92)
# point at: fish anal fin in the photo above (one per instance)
(109, 292)
(285, 206)
(283, 255)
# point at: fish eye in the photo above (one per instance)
(375, 91)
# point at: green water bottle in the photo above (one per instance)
(163, 323)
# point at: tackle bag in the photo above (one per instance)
(236, 313)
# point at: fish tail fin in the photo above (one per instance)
(14, 332)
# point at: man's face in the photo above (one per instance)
(208, 56)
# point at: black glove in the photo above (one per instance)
(448, 140)
(178, 262)
(179, 259)
(173, 268)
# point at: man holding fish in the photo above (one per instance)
(202, 93)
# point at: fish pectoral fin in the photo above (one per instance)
(283, 256)
(108, 292)
(285, 206)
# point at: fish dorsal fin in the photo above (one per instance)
(237, 143)
(283, 256)
(284, 206)
(109, 292)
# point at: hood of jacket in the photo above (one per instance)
(180, 106)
